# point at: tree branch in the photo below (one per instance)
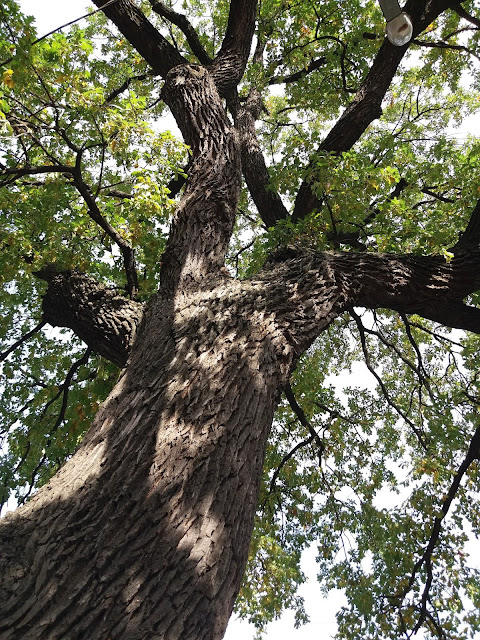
(418, 432)
(123, 87)
(366, 105)
(267, 201)
(63, 390)
(230, 62)
(307, 290)
(467, 16)
(105, 321)
(314, 437)
(15, 174)
(63, 26)
(298, 75)
(352, 238)
(94, 212)
(186, 27)
(302, 418)
(445, 45)
(142, 35)
(203, 223)
(470, 239)
(26, 336)
(425, 560)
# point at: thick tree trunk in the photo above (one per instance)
(145, 531)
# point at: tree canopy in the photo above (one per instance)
(349, 149)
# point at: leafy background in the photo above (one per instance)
(358, 469)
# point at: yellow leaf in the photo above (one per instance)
(447, 255)
(7, 78)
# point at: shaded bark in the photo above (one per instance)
(147, 528)
(104, 320)
(229, 65)
(144, 533)
(268, 202)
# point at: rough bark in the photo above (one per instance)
(144, 533)
(229, 65)
(104, 320)
(268, 202)
(147, 528)
(140, 533)
(203, 222)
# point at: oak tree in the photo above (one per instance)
(182, 419)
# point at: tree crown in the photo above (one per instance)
(89, 182)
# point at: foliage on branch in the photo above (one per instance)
(89, 181)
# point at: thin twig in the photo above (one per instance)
(64, 26)
(23, 339)
(64, 390)
(299, 412)
(390, 402)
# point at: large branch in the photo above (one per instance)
(105, 321)
(142, 35)
(367, 104)
(267, 201)
(470, 239)
(229, 65)
(307, 290)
